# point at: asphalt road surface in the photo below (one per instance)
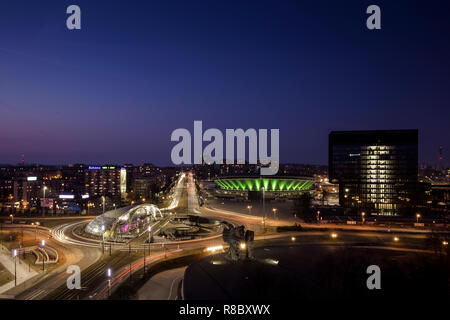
(163, 286)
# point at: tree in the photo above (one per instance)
(302, 207)
(325, 195)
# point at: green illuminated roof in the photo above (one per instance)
(269, 184)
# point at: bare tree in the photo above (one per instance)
(302, 207)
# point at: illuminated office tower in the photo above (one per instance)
(376, 170)
(105, 181)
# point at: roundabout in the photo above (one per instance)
(143, 226)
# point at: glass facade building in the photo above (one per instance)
(376, 170)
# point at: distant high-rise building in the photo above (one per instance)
(106, 180)
(376, 170)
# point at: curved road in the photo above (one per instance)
(162, 286)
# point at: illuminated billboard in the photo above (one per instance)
(66, 196)
(46, 203)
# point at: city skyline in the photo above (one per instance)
(114, 91)
(442, 164)
(230, 157)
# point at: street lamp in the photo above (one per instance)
(417, 217)
(12, 218)
(362, 217)
(108, 275)
(43, 208)
(318, 215)
(14, 252)
(149, 229)
(35, 230)
(249, 210)
(264, 207)
(103, 239)
(144, 260)
(43, 256)
(164, 247)
(274, 210)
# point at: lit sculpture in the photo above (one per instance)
(238, 240)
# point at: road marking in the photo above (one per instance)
(35, 294)
(171, 286)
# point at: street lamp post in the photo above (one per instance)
(417, 217)
(144, 261)
(318, 216)
(12, 218)
(43, 256)
(264, 208)
(274, 210)
(103, 239)
(149, 229)
(363, 214)
(249, 210)
(108, 275)
(15, 266)
(35, 230)
(43, 208)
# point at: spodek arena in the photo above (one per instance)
(257, 187)
(124, 223)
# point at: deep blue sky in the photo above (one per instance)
(115, 90)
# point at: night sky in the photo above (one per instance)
(114, 91)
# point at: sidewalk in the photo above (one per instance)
(23, 274)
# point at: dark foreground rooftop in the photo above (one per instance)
(316, 273)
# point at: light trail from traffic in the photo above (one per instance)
(134, 267)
